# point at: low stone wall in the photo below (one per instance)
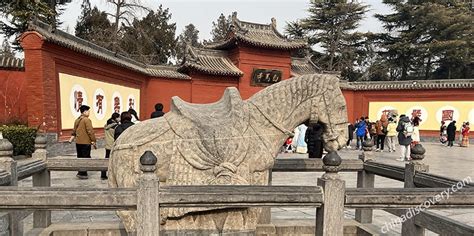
(66, 148)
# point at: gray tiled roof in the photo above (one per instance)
(409, 85)
(303, 66)
(87, 48)
(258, 35)
(12, 63)
(213, 62)
(166, 72)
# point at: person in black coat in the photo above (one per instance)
(158, 111)
(403, 139)
(314, 138)
(350, 129)
(125, 123)
(451, 130)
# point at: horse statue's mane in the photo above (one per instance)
(229, 142)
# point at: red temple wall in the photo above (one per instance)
(249, 59)
(44, 62)
(13, 97)
(210, 88)
(162, 90)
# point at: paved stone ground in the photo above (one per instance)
(454, 162)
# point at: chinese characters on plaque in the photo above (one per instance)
(416, 113)
(99, 98)
(447, 115)
(78, 100)
(265, 77)
(117, 104)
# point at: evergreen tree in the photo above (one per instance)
(16, 15)
(190, 36)
(94, 26)
(428, 39)
(6, 50)
(295, 30)
(221, 28)
(150, 40)
(330, 25)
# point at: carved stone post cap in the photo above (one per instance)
(367, 145)
(417, 152)
(332, 159)
(5, 145)
(6, 148)
(41, 139)
(148, 161)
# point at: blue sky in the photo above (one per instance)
(203, 13)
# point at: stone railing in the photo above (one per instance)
(329, 198)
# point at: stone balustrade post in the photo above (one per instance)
(330, 216)
(40, 147)
(266, 214)
(41, 218)
(7, 163)
(416, 165)
(365, 180)
(148, 207)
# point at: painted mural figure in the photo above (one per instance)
(78, 100)
(117, 104)
(98, 103)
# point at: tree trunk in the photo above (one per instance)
(117, 17)
(428, 68)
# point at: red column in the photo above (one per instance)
(41, 84)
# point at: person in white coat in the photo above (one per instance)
(301, 146)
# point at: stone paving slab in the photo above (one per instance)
(453, 162)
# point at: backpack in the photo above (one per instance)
(408, 129)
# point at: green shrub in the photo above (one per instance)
(22, 138)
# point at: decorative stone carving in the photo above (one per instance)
(40, 147)
(332, 162)
(230, 142)
(6, 148)
(417, 152)
(367, 145)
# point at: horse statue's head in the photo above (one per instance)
(331, 111)
(313, 98)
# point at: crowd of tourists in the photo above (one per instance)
(389, 129)
(84, 136)
(447, 134)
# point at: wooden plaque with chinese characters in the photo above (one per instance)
(265, 77)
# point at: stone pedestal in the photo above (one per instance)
(330, 216)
